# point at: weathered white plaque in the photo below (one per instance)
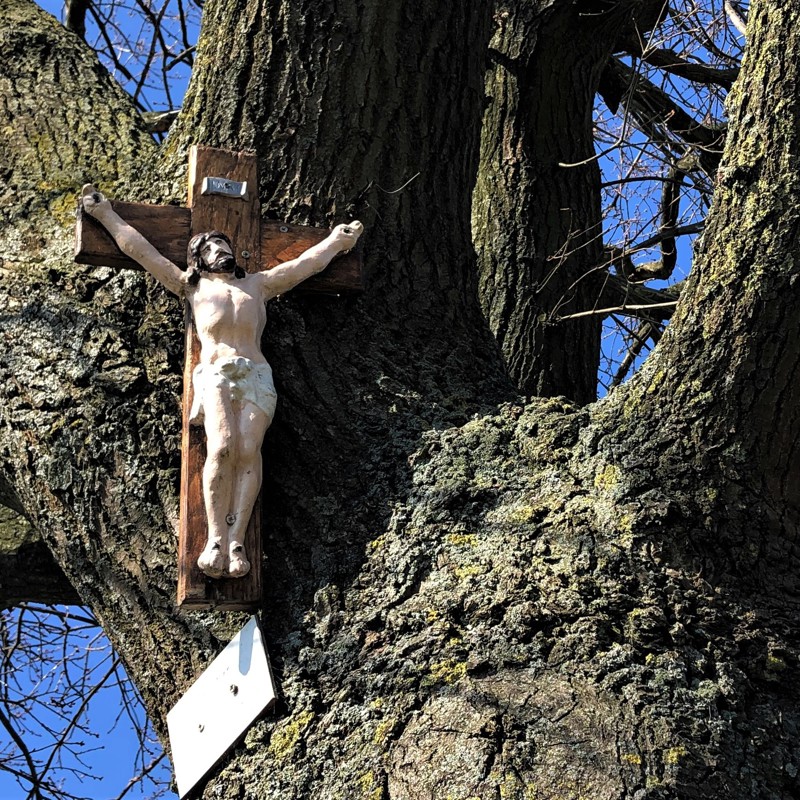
(225, 188)
(219, 707)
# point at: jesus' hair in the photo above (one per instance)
(194, 260)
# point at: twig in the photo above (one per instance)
(640, 337)
(65, 615)
(143, 774)
(184, 56)
(34, 778)
(598, 312)
(683, 230)
(395, 191)
(735, 16)
(76, 716)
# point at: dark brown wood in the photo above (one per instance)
(168, 229)
(281, 242)
(165, 227)
(241, 221)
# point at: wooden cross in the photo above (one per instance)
(258, 244)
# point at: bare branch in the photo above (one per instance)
(53, 663)
(143, 774)
(652, 108)
(668, 233)
(75, 16)
(159, 121)
(671, 62)
(33, 776)
(736, 16)
(186, 56)
(627, 295)
(639, 341)
(624, 309)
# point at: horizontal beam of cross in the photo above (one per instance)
(168, 229)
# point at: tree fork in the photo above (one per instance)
(541, 596)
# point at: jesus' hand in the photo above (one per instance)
(346, 236)
(94, 203)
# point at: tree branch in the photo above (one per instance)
(743, 307)
(159, 121)
(646, 330)
(736, 16)
(33, 776)
(28, 572)
(657, 270)
(652, 108)
(671, 62)
(75, 19)
(623, 309)
(31, 575)
(660, 303)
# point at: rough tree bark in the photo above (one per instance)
(28, 573)
(468, 595)
(536, 210)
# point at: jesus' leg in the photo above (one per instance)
(220, 427)
(253, 424)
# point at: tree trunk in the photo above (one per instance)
(28, 573)
(536, 216)
(467, 595)
(536, 219)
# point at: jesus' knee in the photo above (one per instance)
(249, 459)
(218, 453)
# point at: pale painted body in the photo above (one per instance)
(229, 314)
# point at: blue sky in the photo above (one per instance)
(66, 683)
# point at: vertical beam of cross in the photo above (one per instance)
(241, 221)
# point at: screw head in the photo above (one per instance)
(245, 254)
(284, 229)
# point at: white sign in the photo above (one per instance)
(225, 188)
(219, 707)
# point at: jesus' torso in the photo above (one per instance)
(229, 316)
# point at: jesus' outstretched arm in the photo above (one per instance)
(286, 276)
(132, 243)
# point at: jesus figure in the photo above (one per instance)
(234, 396)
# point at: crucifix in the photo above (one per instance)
(197, 252)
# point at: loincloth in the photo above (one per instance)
(246, 380)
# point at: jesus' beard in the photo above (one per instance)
(223, 264)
